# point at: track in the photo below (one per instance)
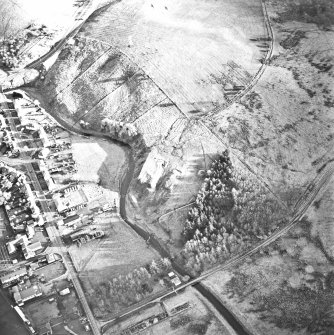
(262, 68)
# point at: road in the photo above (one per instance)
(55, 239)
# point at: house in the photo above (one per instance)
(26, 294)
(29, 250)
(19, 240)
(71, 220)
(174, 278)
(44, 137)
(10, 277)
(46, 174)
(70, 200)
(65, 291)
(30, 231)
(50, 258)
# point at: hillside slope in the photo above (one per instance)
(143, 65)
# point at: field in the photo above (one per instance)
(119, 252)
(178, 45)
(171, 69)
(20, 14)
(198, 319)
(121, 77)
(42, 312)
(98, 161)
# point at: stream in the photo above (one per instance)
(154, 240)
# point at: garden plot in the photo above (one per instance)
(41, 312)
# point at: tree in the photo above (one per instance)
(166, 264)
(154, 269)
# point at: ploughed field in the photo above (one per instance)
(190, 49)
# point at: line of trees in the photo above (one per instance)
(119, 129)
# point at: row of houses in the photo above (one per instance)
(22, 211)
(21, 273)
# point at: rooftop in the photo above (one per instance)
(13, 275)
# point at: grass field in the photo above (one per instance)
(118, 252)
(98, 161)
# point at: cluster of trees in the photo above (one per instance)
(231, 212)
(9, 52)
(126, 290)
(119, 129)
